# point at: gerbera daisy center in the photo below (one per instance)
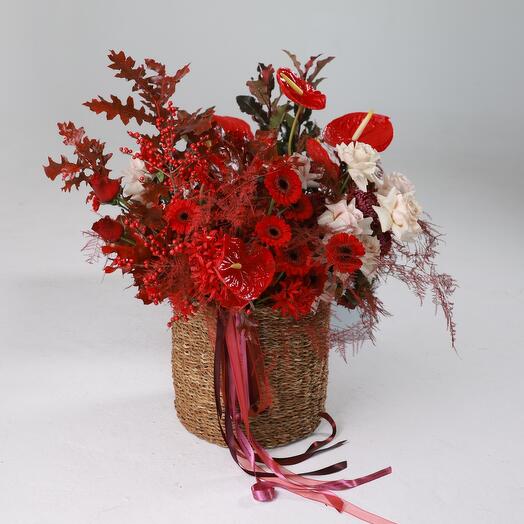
(283, 184)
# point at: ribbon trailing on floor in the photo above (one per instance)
(242, 390)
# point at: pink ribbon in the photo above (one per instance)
(232, 384)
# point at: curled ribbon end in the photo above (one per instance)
(263, 493)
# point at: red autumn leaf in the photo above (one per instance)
(165, 84)
(115, 107)
(71, 134)
(197, 122)
(312, 78)
(245, 274)
(378, 133)
(236, 127)
(299, 90)
(64, 168)
(296, 61)
(125, 67)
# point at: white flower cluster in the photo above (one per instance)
(397, 209)
(363, 163)
(134, 178)
(303, 171)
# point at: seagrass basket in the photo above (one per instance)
(296, 360)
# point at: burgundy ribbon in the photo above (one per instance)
(241, 391)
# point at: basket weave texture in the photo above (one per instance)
(296, 360)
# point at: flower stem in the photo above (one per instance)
(345, 183)
(270, 209)
(293, 129)
(122, 203)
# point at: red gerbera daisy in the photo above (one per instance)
(273, 231)
(181, 215)
(294, 260)
(300, 210)
(343, 251)
(315, 279)
(283, 185)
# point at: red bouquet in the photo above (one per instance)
(209, 211)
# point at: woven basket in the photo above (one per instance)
(296, 360)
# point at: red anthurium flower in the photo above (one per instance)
(283, 185)
(105, 188)
(299, 90)
(236, 127)
(343, 252)
(378, 132)
(319, 155)
(181, 215)
(108, 229)
(245, 274)
(230, 301)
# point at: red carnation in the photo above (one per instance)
(299, 90)
(343, 252)
(294, 260)
(105, 188)
(273, 231)
(283, 185)
(302, 209)
(108, 229)
(181, 215)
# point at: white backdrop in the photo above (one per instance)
(88, 433)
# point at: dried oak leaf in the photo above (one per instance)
(64, 168)
(115, 107)
(194, 123)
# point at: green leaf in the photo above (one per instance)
(160, 176)
(276, 118)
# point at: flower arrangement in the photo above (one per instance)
(210, 212)
(286, 217)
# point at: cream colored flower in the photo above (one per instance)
(396, 180)
(362, 163)
(371, 257)
(134, 178)
(303, 170)
(399, 213)
(330, 289)
(345, 217)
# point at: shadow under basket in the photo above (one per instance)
(295, 359)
